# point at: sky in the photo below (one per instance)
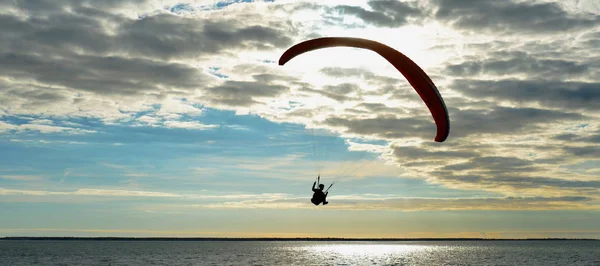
(173, 118)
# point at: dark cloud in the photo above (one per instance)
(168, 36)
(31, 97)
(380, 108)
(457, 163)
(552, 161)
(494, 164)
(382, 84)
(551, 94)
(265, 77)
(521, 65)
(514, 179)
(102, 75)
(339, 72)
(343, 88)
(164, 36)
(384, 13)
(53, 36)
(242, 93)
(84, 46)
(41, 7)
(591, 41)
(566, 136)
(511, 17)
(593, 138)
(34, 94)
(421, 154)
(591, 151)
(571, 137)
(493, 120)
(488, 45)
(341, 92)
(385, 126)
(505, 120)
(307, 112)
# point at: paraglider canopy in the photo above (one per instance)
(411, 71)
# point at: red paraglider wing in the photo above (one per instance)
(411, 71)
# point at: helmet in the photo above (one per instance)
(321, 186)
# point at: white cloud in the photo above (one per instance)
(22, 177)
(6, 126)
(117, 193)
(42, 127)
(87, 192)
(174, 106)
(188, 125)
(150, 120)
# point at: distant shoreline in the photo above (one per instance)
(284, 239)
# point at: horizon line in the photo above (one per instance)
(117, 238)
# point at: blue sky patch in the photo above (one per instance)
(182, 8)
(228, 3)
(215, 72)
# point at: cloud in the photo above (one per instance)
(91, 29)
(66, 173)
(341, 92)
(41, 128)
(101, 75)
(518, 166)
(587, 151)
(423, 154)
(550, 94)
(383, 13)
(150, 120)
(22, 177)
(517, 182)
(93, 61)
(193, 37)
(523, 65)
(519, 78)
(188, 125)
(504, 120)
(387, 127)
(43, 141)
(411, 204)
(121, 193)
(242, 93)
(494, 163)
(511, 17)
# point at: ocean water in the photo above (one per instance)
(84, 252)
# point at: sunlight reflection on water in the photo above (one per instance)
(366, 249)
(361, 253)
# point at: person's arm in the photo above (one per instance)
(313, 188)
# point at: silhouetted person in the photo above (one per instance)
(319, 196)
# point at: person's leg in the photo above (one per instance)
(315, 201)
